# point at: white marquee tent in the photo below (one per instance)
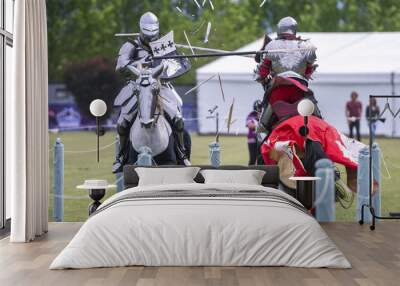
(368, 63)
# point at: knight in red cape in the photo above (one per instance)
(284, 71)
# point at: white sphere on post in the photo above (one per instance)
(98, 107)
(305, 107)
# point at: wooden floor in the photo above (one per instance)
(375, 257)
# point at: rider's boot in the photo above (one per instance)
(180, 149)
(122, 155)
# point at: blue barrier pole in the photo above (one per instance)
(58, 207)
(119, 177)
(363, 182)
(376, 174)
(325, 191)
(215, 154)
(144, 157)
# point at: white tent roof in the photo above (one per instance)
(362, 54)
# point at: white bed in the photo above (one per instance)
(201, 225)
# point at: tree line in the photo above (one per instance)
(81, 30)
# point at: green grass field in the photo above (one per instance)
(83, 165)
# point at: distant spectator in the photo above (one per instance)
(251, 124)
(372, 113)
(52, 119)
(353, 115)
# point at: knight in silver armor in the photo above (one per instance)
(290, 60)
(138, 53)
(289, 55)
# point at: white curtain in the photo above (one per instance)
(27, 122)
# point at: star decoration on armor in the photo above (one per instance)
(156, 50)
(163, 47)
(170, 44)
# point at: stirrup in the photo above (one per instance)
(181, 156)
(118, 165)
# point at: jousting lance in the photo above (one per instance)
(195, 48)
(182, 46)
(227, 54)
(207, 55)
(217, 52)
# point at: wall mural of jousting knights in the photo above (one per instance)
(284, 70)
(150, 108)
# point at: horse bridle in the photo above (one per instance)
(155, 91)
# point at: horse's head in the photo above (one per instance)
(148, 84)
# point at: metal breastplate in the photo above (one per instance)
(293, 60)
(132, 52)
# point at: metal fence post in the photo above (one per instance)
(325, 191)
(58, 207)
(119, 177)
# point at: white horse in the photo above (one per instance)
(150, 128)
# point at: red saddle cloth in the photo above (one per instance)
(287, 132)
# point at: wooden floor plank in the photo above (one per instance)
(375, 258)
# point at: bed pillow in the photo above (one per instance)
(166, 176)
(248, 177)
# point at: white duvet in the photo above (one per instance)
(190, 230)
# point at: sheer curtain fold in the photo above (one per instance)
(28, 123)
